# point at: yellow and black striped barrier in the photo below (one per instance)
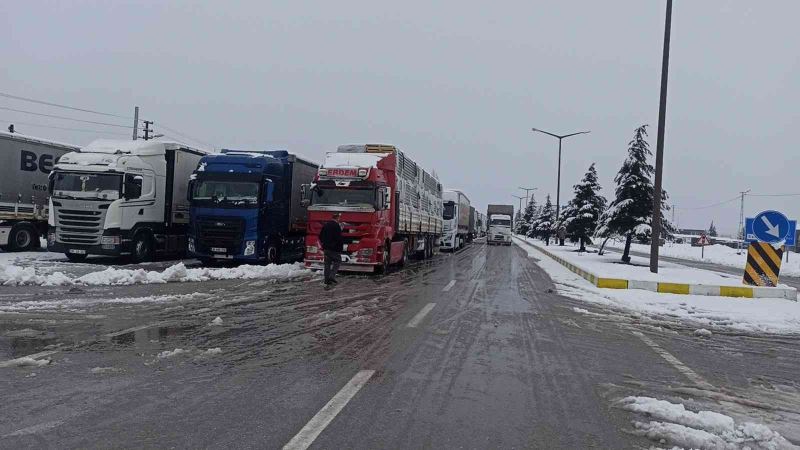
(763, 264)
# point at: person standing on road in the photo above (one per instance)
(330, 238)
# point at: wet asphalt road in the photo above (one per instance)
(500, 360)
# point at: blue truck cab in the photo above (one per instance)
(247, 206)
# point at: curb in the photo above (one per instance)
(672, 288)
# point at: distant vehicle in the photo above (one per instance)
(457, 218)
(247, 206)
(499, 220)
(481, 224)
(473, 224)
(121, 198)
(391, 208)
(23, 188)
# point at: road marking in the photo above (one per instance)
(35, 429)
(131, 330)
(421, 315)
(323, 418)
(449, 286)
(15, 361)
(676, 363)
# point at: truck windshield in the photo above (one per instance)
(449, 210)
(87, 185)
(344, 197)
(500, 222)
(226, 193)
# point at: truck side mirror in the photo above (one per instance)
(133, 187)
(269, 191)
(304, 195)
(190, 191)
(50, 181)
(387, 199)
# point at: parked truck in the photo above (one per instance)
(456, 215)
(499, 219)
(480, 224)
(391, 209)
(473, 224)
(246, 206)
(23, 188)
(121, 198)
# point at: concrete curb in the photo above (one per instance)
(672, 288)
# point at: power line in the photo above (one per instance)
(712, 205)
(774, 195)
(42, 102)
(185, 136)
(63, 118)
(62, 128)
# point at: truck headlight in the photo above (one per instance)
(311, 249)
(249, 248)
(364, 252)
(190, 244)
(109, 241)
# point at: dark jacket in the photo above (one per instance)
(331, 237)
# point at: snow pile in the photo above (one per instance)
(678, 426)
(702, 332)
(26, 361)
(11, 275)
(213, 351)
(170, 353)
(79, 304)
(763, 315)
(216, 322)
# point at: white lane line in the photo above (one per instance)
(449, 286)
(131, 330)
(676, 363)
(35, 429)
(323, 418)
(421, 315)
(14, 362)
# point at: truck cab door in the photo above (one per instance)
(139, 207)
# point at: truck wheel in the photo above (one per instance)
(22, 238)
(271, 253)
(404, 258)
(429, 247)
(72, 257)
(384, 267)
(142, 248)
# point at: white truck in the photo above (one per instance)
(26, 163)
(121, 198)
(457, 216)
(499, 220)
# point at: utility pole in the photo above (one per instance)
(135, 123)
(662, 115)
(527, 190)
(558, 183)
(673, 215)
(520, 201)
(740, 234)
(519, 212)
(147, 130)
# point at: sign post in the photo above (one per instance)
(766, 231)
(702, 242)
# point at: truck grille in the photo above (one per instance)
(224, 232)
(79, 226)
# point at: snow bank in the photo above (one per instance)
(12, 275)
(26, 361)
(170, 353)
(762, 315)
(76, 304)
(705, 429)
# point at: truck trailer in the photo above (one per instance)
(23, 188)
(121, 198)
(457, 217)
(499, 219)
(391, 209)
(246, 206)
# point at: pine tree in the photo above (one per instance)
(541, 225)
(581, 215)
(630, 213)
(518, 222)
(528, 215)
(712, 230)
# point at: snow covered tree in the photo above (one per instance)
(518, 222)
(541, 225)
(527, 216)
(581, 215)
(712, 230)
(630, 214)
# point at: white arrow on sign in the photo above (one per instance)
(771, 229)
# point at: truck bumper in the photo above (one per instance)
(58, 247)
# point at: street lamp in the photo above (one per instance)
(520, 200)
(519, 211)
(527, 190)
(558, 185)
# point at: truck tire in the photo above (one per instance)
(429, 247)
(72, 257)
(23, 237)
(142, 249)
(404, 258)
(384, 266)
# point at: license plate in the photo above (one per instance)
(219, 250)
(77, 251)
(223, 256)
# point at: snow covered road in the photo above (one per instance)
(497, 358)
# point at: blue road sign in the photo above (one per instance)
(771, 227)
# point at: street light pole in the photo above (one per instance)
(655, 235)
(741, 234)
(558, 182)
(527, 190)
(519, 212)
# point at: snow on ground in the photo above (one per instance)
(717, 254)
(610, 266)
(750, 315)
(14, 275)
(673, 424)
(80, 304)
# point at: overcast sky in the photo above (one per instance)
(457, 85)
